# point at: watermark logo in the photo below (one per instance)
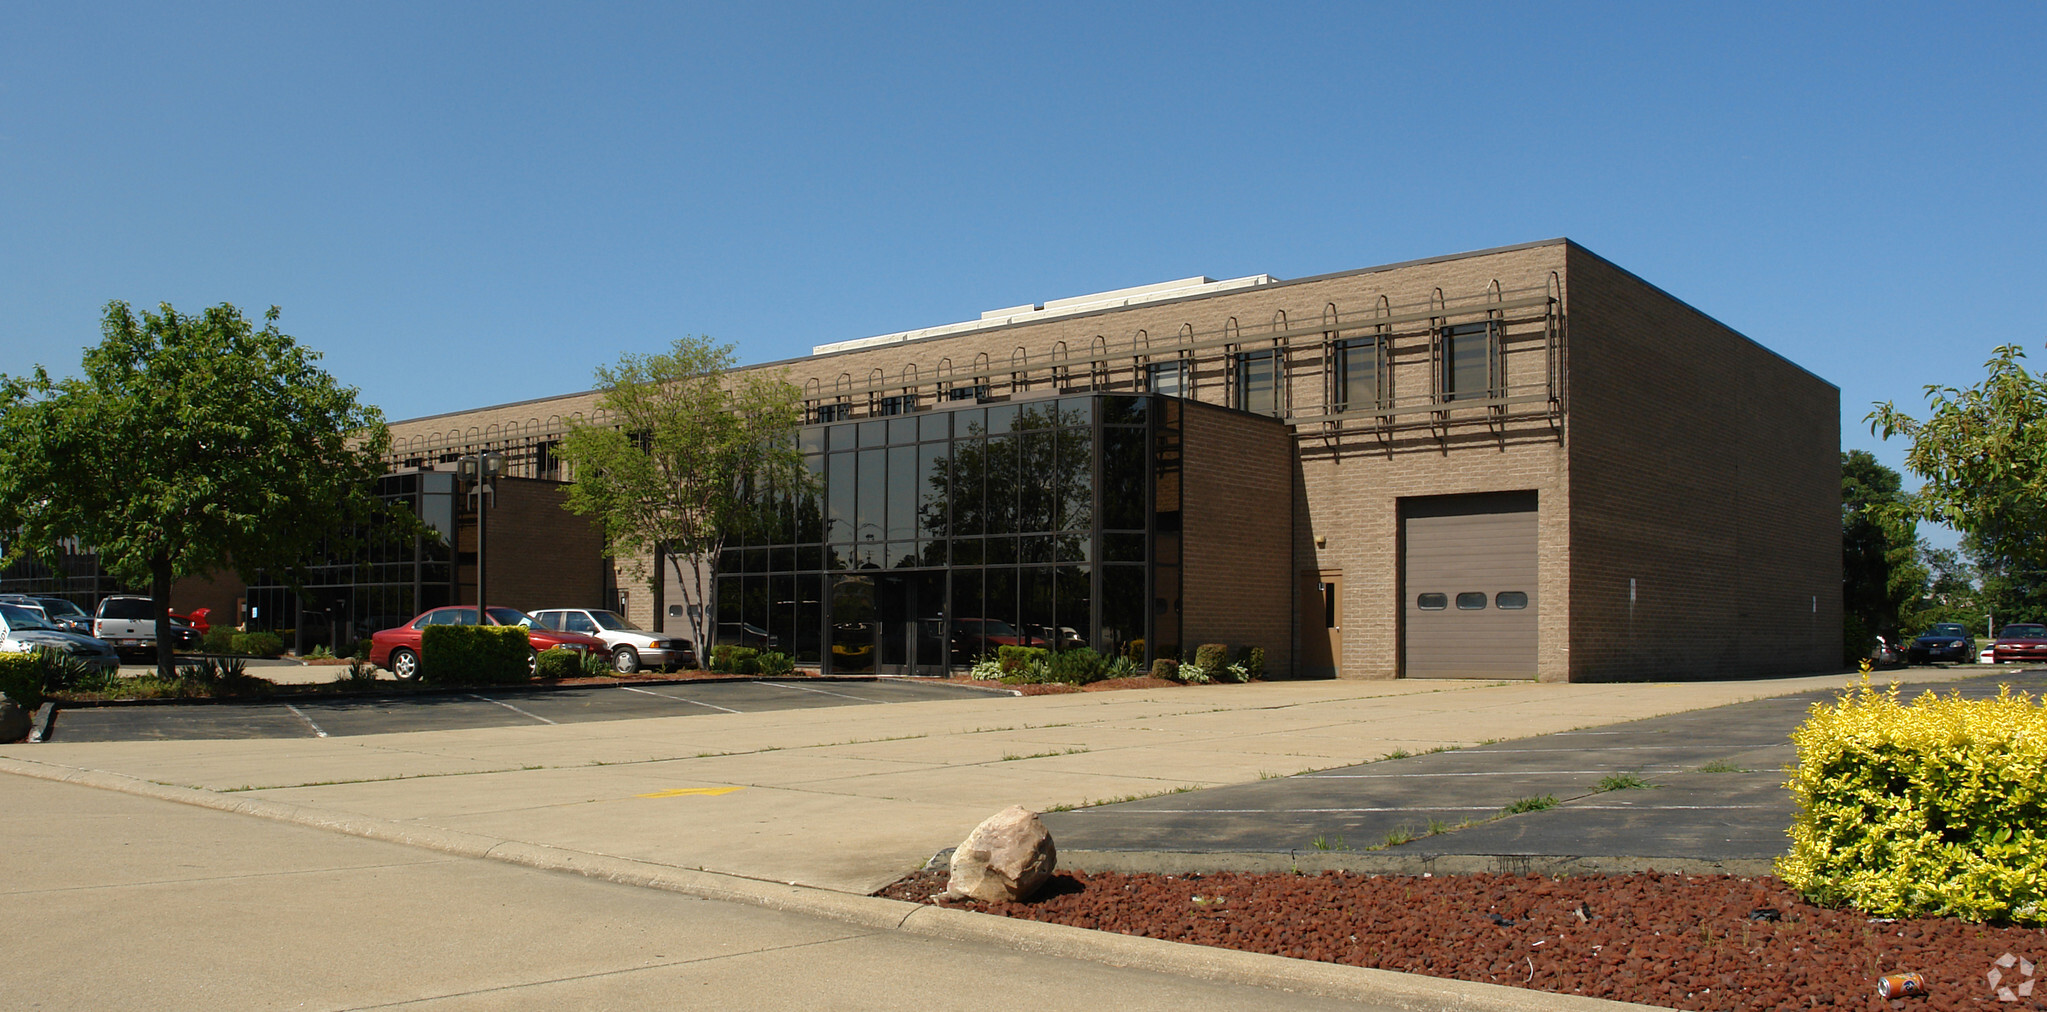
(2024, 978)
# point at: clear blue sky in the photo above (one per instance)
(471, 204)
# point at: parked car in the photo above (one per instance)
(197, 619)
(66, 614)
(973, 637)
(742, 634)
(397, 650)
(22, 630)
(2020, 642)
(632, 647)
(128, 622)
(1943, 641)
(1988, 655)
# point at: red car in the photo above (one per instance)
(197, 619)
(397, 650)
(2023, 641)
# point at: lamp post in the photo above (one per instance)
(477, 471)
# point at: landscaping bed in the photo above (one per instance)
(1679, 941)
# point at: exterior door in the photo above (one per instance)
(1321, 620)
(1469, 603)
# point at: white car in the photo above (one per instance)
(22, 630)
(632, 647)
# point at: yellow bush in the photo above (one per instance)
(1936, 807)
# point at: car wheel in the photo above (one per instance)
(532, 662)
(625, 660)
(404, 665)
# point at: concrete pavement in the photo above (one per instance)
(847, 799)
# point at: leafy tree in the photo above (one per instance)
(190, 444)
(687, 454)
(1983, 453)
(1881, 579)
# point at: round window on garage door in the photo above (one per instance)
(1510, 600)
(1471, 600)
(1432, 602)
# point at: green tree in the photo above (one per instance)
(189, 445)
(687, 453)
(1982, 451)
(1881, 579)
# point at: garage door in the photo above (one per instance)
(1469, 598)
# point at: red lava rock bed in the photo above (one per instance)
(1680, 941)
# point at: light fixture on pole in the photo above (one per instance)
(477, 471)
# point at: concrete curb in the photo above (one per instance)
(39, 728)
(390, 689)
(1386, 988)
(1393, 863)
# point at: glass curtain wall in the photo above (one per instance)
(939, 536)
(379, 579)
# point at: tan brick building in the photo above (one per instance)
(1519, 462)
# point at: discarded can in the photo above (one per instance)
(1899, 985)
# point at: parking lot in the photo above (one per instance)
(323, 717)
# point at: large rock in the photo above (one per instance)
(1005, 858)
(14, 721)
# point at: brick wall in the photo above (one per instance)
(1238, 528)
(540, 555)
(1706, 471)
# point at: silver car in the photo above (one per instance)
(632, 647)
(22, 630)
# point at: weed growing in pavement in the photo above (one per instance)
(1399, 835)
(1535, 804)
(1269, 775)
(1438, 827)
(1332, 843)
(1398, 753)
(1012, 757)
(1443, 748)
(1182, 789)
(1722, 766)
(1622, 782)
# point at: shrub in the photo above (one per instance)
(1928, 809)
(594, 664)
(1121, 667)
(1078, 666)
(774, 662)
(1212, 656)
(1015, 659)
(257, 644)
(1134, 650)
(473, 655)
(218, 640)
(1166, 668)
(735, 660)
(986, 669)
(362, 650)
(22, 678)
(1253, 660)
(555, 662)
(320, 653)
(1195, 674)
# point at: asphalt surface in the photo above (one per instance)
(1714, 795)
(322, 717)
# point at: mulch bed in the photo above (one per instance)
(1679, 941)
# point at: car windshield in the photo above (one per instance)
(60, 606)
(613, 620)
(510, 616)
(1946, 629)
(20, 619)
(2024, 632)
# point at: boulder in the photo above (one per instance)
(1005, 858)
(14, 721)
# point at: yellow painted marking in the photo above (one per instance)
(680, 791)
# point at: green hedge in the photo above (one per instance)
(1934, 808)
(735, 660)
(473, 655)
(776, 663)
(555, 662)
(22, 678)
(257, 644)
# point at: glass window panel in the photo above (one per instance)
(1123, 612)
(1035, 605)
(966, 605)
(1432, 602)
(1034, 548)
(841, 437)
(1001, 418)
(1510, 600)
(811, 439)
(781, 624)
(1037, 478)
(902, 493)
(1075, 594)
(1076, 411)
(808, 635)
(1471, 600)
(1123, 548)
(1123, 453)
(873, 433)
(936, 425)
(1121, 410)
(1168, 378)
(781, 559)
(841, 492)
(930, 489)
(966, 551)
(1074, 500)
(1358, 374)
(1467, 357)
(873, 487)
(809, 557)
(932, 552)
(999, 550)
(900, 555)
(1071, 547)
(1001, 490)
(1256, 388)
(965, 487)
(1000, 603)
(902, 430)
(971, 422)
(852, 621)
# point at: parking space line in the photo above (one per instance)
(510, 707)
(841, 695)
(680, 699)
(1481, 773)
(1296, 811)
(300, 714)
